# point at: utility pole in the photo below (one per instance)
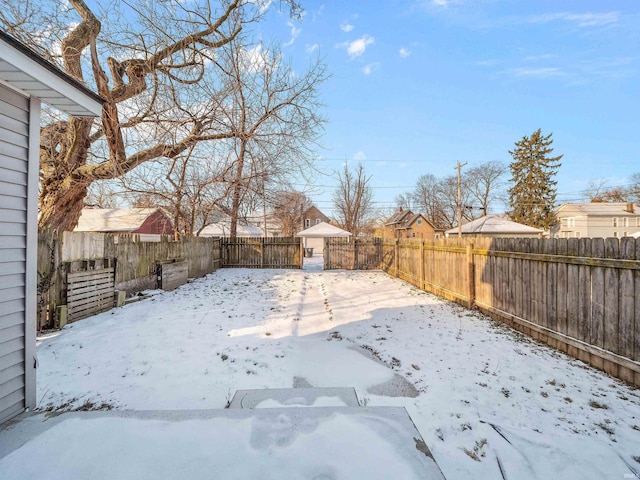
(459, 168)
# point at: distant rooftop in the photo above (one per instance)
(602, 208)
(492, 224)
(113, 219)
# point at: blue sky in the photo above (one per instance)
(419, 84)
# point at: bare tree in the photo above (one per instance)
(404, 200)
(288, 209)
(353, 199)
(190, 187)
(274, 114)
(597, 191)
(149, 73)
(426, 196)
(103, 195)
(484, 183)
(634, 188)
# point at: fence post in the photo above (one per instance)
(355, 254)
(396, 261)
(422, 265)
(471, 276)
(261, 252)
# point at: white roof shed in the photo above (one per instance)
(313, 237)
(495, 226)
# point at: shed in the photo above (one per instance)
(494, 226)
(148, 222)
(313, 237)
(26, 79)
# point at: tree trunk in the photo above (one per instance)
(62, 193)
(237, 191)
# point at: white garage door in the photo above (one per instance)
(316, 243)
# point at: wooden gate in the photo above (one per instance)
(262, 252)
(352, 254)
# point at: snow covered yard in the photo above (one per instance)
(484, 398)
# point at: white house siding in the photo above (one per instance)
(15, 371)
(577, 225)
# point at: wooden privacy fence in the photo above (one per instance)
(352, 253)
(264, 252)
(581, 296)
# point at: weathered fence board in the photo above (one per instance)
(597, 302)
(172, 274)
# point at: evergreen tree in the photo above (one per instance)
(533, 194)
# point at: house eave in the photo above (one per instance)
(44, 80)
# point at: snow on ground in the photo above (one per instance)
(484, 397)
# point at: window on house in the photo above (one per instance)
(571, 222)
(577, 234)
(437, 235)
(413, 234)
(563, 222)
(419, 222)
(615, 234)
(307, 222)
(615, 222)
(625, 222)
(318, 221)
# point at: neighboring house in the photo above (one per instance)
(25, 80)
(495, 226)
(264, 222)
(596, 220)
(406, 224)
(313, 237)
(313, 216)
(149, 223)
(223, 229)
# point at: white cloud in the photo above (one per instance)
(357, 47)
(263, 5)
(295, 31)
(346, 27)
(312, 48)
(579, 19)
(444, 3)
(404, 52)
(254, 59)
(370, 68)
(543, 72)
(359, 156)
(487, 63)
(537, 58)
